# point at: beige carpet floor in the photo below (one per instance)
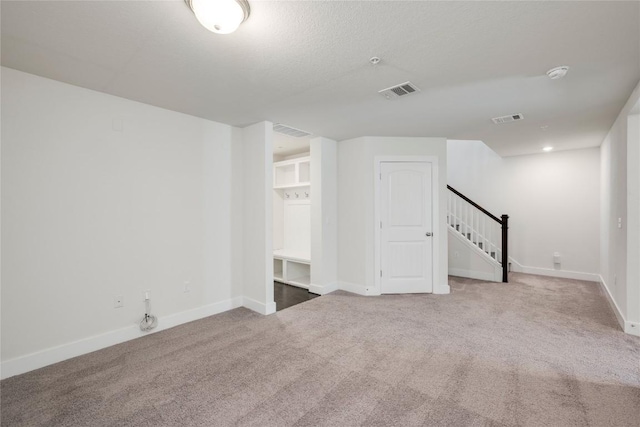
(538, 351)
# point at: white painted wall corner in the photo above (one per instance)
(259, 307)
(631, 328)
(323, 290)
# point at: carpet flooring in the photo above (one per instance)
(536, 352)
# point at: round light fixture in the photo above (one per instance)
(547, 149)
(220, 16)
(558, 72)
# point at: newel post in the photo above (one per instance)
(505, 250)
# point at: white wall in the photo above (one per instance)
(619, 192)
(356, 194)
(324, 216)
(551, 198)
(101, 197)
(257, 166)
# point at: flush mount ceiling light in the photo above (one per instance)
(558, 72)
(547, 149)
(220, 16)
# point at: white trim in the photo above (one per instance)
(49, 356)
(472, 274)
(355, 288)
(516, 267)
(436, 288)
(631, 328)
(323, 290)
(259, 307)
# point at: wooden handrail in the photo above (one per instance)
(474, 204)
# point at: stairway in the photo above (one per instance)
(480, 228)
(479, 244)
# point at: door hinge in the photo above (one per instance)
(380, 224)
(380, 273)
(380, 176)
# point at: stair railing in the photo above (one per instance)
(481, 227)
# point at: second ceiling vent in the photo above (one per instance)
(507, 119)
(397, 91)
(288, 130)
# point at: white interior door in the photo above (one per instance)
(406, 250)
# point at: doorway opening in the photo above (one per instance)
(292, 188)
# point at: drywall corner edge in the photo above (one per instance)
(612, 303)
(259, 307)
(323, 289)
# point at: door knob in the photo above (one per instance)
(429, 234)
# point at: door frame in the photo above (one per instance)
(435, 214)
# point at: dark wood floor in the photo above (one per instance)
(285, 296)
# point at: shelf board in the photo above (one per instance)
(284, 187)
(282, 255)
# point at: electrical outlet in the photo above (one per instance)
(118, 301)
(187, 286)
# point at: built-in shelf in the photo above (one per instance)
(292, 269)
(291, 179)
(289, 256)
(301, 282)
(292, 173)
(299, 185)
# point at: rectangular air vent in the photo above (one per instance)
(507, 119)
(403, 89)
(288, 130)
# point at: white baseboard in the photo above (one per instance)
(258, 306)
(371, 291)
(29, 362)
(442, 289)
(357, 289)
(612, 303)
(631, 328)
(516, 267)
(479, 275)
(323, 289)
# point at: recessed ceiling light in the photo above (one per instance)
(220, 16)
(558, 72)
(547, 149)
(374, 60)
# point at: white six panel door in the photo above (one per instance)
(406, 252)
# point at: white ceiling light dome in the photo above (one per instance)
(220, 16)
(558, 72)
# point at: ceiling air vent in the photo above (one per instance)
(403, 89)
(288, 130)
(507, 119)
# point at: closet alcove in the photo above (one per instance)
(292, 212)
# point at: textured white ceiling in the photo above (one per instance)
(306, 64)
